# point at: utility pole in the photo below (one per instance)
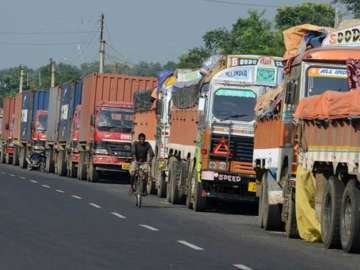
(21, 82)
(52, 72)
(102, 46)
(337, 16)
(39, 78)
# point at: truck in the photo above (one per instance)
(104, 124)
(212, 131)
(32, 113)
(63, 102)
(310, 73)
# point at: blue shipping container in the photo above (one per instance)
(32, 101)
(71, 97)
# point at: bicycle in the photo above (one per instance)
(140, 182)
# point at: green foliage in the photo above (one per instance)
(353, 6)
(313, 13)
(217, 40)
(193, 58)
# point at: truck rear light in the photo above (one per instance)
(204, 151)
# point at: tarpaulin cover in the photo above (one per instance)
(185, 95)
(143, 100)
(307, 222)
(330, 105)
(164, 75)
(267, 104)
(294, 38)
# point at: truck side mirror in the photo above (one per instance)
(92, 121)
(290, 92)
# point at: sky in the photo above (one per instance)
(33, 31)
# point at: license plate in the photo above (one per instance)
(227, 178)
(252, 187)
(125, 166)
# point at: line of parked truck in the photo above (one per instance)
(225, 131)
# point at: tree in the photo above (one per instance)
(353, 6)
(313, 13)
(193, 58)
(253, 35)
(216, 40)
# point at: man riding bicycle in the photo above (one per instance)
(141, 152)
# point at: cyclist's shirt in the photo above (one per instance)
(142, 151)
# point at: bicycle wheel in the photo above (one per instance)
(139, 192)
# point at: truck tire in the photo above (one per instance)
(61, 163)
(22, 158)
(161, 190)
(2, 155)
(199, 203)
(81, 170)
(168, 185)
(291, 229)
(151, 186)
(260, 208)
(49, 166)
(173, 192)
(189, 189)
(330, 212)
(15, 158)
(92, 173)
(271, 213)
(350, 217)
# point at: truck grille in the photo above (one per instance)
(241, 147)
(119, 149)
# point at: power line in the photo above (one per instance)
(237, 3)
(46, 33)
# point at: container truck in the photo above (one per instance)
(33, 124)
(275, 157)
(65, 99)
(105, 123)
(212, 131)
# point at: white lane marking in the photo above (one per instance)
(60, 191)
(76, 197)
(22, 177)
(242, 267)
(12, 175)
(33, 181)
(118, 215)
(95, 205)
(45, 186)
(185, 243)
(149, 227)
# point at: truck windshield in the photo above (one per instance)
(234, 104)
(42, 124)
(115, 119)
(320, 80)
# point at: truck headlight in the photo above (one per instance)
(101, 151)
(222, 165)
(212, 164)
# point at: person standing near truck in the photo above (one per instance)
(141, 152)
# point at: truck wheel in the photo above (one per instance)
(92, 174)
(350, 218)
(15, 158)
(22, 158)
(49, 167)
(291, 225)
(330, 212)
(199, 203)
(168, 184)
(189, 190)
(161, 190)
(151, 186)
(260, 207)
(271, 213)
(174, 192)
(61, 163)
(81, 171)
(2, 155)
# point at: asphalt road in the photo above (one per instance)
(50, 222)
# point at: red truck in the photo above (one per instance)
(7, 148)
(103, 128)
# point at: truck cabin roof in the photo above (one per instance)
(339, 55)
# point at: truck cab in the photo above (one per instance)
(39, 126)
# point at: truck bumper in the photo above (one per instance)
(229, 187)
(111, 163)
